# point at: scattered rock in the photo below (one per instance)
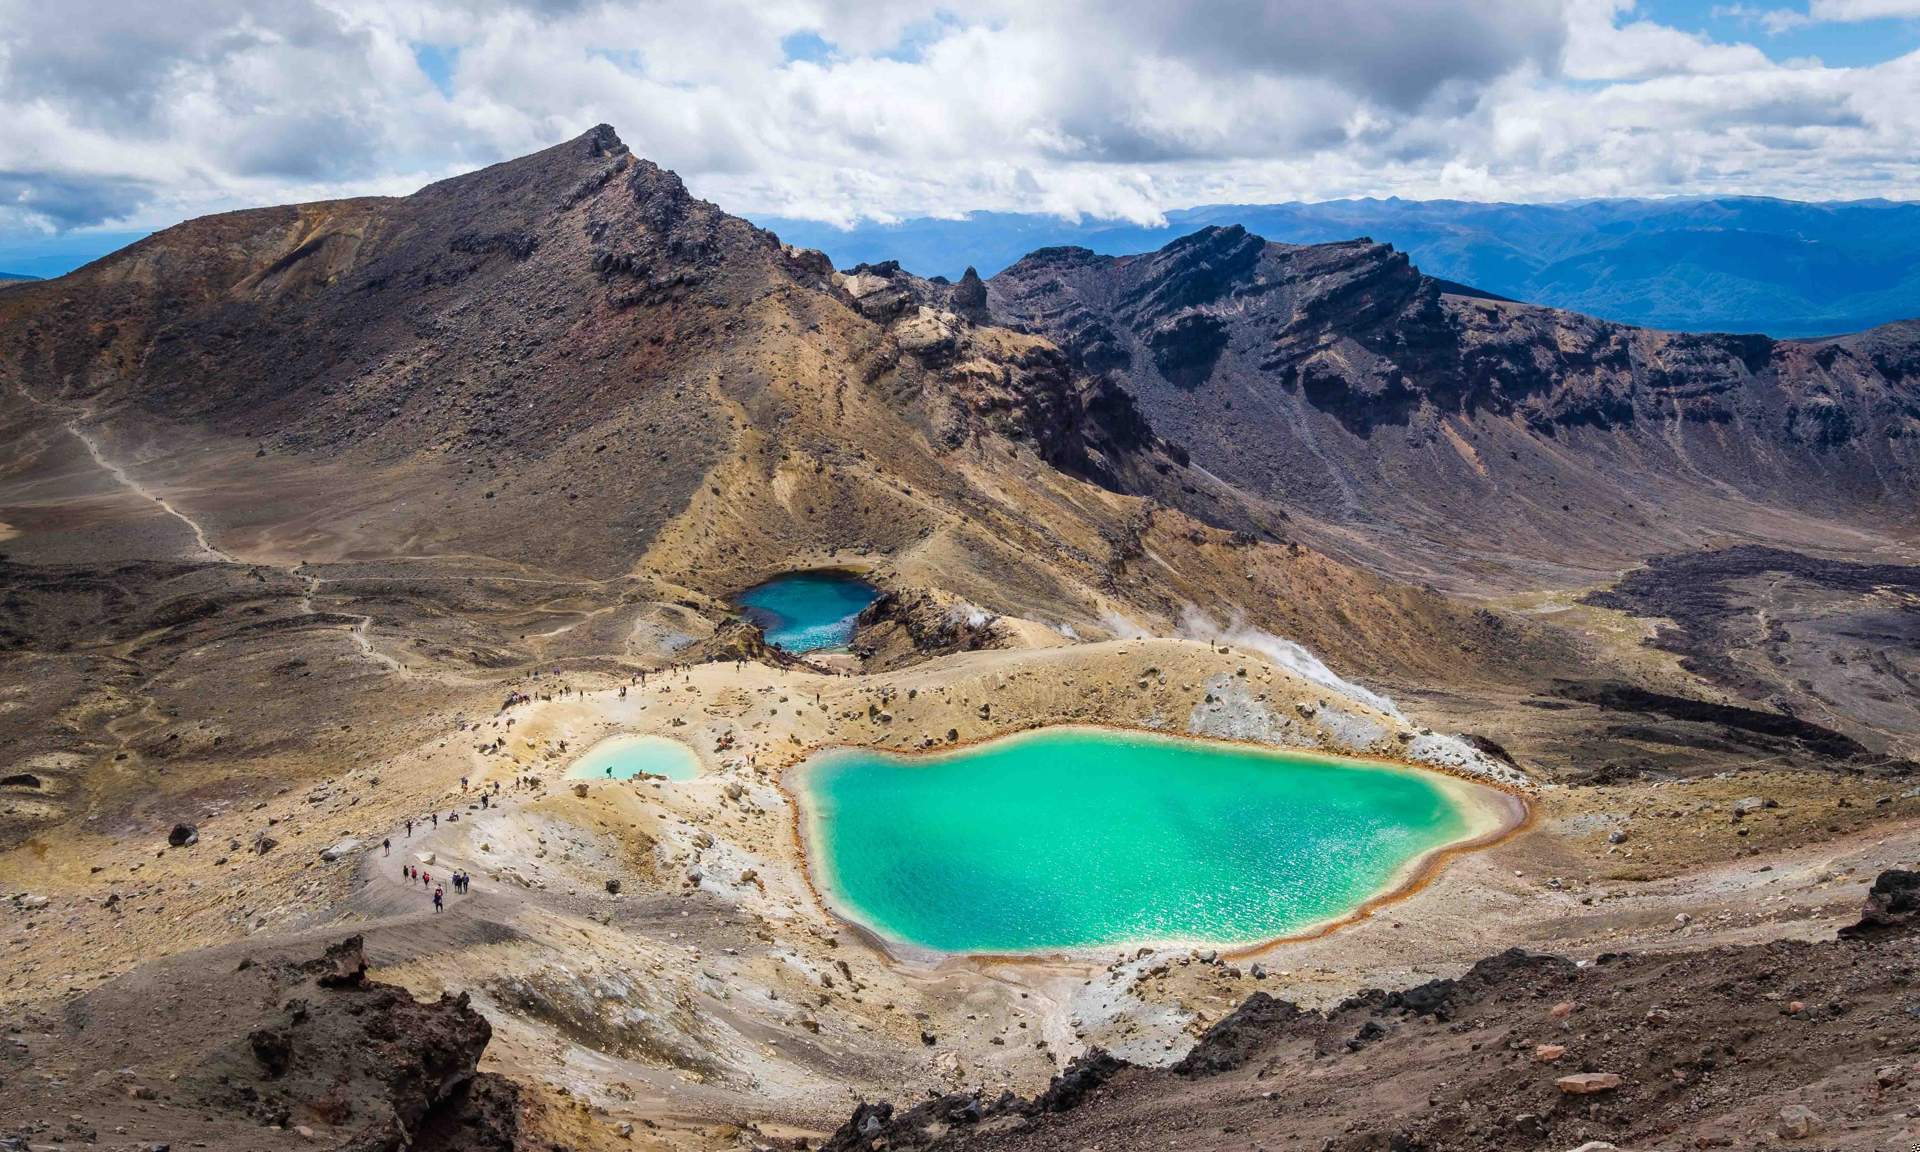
(613, 887)
(1798, 1122)
(183, 835)
(1588, 1083)
(1548, 1053)
(340, 849)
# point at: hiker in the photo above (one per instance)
(436, 819)
(386, 846)
(409, 829)
(438, 898)
(483, 800)
(463, 783)
(426, 880)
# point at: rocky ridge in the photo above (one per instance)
(1338, 378)
(1726, 1047)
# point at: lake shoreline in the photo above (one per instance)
(1494, 814)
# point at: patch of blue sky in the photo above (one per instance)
(437, 61)
(1785, 30)
(922, 35)
(808, 46)
(625, 59)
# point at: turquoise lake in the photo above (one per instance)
(624, 757)
(808, 611)
(1070, 838)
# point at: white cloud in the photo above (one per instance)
(1105, 107)
(1849, 11)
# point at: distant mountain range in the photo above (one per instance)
(12, 277)
(1738, 264)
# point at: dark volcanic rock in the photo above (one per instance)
(969, 297)
(275, 1040)
(926, 1125)
(1892, 905)
(1767, 730)
(1233, 1041)
(1798, 636)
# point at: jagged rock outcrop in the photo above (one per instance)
(207, 1050)
(983, 380)
(879, 1126)
(1892, 908)
(900, 628)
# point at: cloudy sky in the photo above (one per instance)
(131, 114)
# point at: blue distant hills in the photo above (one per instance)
(1736, 264)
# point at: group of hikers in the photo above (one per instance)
(462, 883)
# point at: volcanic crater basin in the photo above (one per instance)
(1066, 839)
(808, 611)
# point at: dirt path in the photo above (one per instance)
(127, 481)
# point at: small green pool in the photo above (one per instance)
(624, 757)
(1069, 838)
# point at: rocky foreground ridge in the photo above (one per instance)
(227, 1051)
(1789, 1044)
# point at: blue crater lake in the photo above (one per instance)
(624, 757)
(1071, 838)
(808, 611)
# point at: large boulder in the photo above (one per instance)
(1891, 904)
